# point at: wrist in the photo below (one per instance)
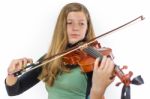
(98, 89)
(97, 93)
(10, 79)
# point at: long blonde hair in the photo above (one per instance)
(60, 41)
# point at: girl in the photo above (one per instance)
(65, 82)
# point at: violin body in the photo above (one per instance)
(83, 59)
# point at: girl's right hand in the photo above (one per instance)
(16, 65)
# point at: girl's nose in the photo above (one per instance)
(75, 27)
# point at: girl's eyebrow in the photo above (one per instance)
(72, 20)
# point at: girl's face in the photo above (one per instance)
(76, 26)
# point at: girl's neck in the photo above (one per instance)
(75, 44)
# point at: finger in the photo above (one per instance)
(111, 67)
(30, 60)
(25, 62)
(107, 63)
(96, 63)
(111, 70)
(103, 62)
(12, 66)
(112, 78)
(20, 64)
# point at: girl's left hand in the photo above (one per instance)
(102, 74)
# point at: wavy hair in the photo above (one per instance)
(60, 41)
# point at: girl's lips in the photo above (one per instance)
(74, 35)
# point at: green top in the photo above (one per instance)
(70, 85)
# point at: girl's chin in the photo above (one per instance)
(73, 42)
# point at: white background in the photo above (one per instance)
(26, 27)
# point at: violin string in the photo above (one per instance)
(92, 52)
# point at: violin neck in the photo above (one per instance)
(95, 54)
(118, 71)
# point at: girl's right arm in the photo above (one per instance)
(17, 85)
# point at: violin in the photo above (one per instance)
(85, 58)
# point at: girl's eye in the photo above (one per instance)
(81, 24)
(69, 22)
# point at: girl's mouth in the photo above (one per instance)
(74, 35)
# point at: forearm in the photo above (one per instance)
(16, 86)
(97, 94)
